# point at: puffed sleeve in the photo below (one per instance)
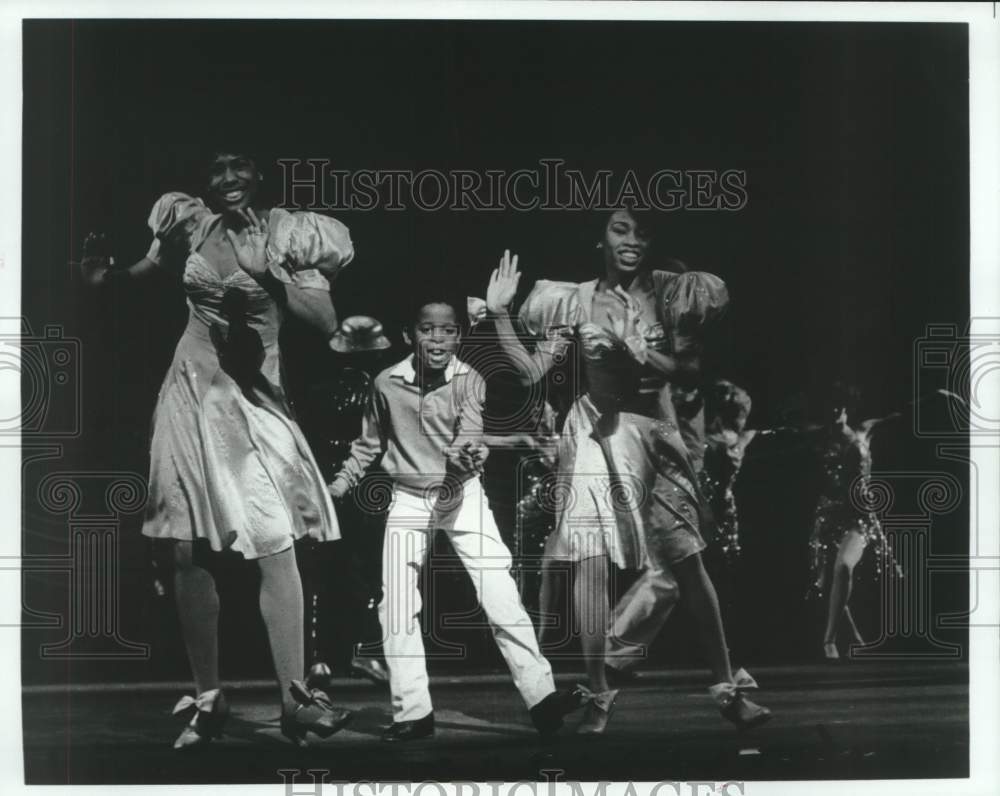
(173, 220)
(314, 246)
(690, 304)
(551, 313)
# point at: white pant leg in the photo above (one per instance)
(639, 616)
(476, 539)
(406, 542)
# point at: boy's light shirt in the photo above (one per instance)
(411, 429)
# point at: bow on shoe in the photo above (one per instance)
(735, 706)
(204, 702)
(725, 694)
(309, 696)
(314, 713)
(744, 681)
(584, 694)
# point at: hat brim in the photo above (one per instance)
(342, 345)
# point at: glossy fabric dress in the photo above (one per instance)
(627, 483)
(227, 462)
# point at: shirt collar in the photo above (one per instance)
(408, 373)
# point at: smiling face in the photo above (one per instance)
(435, 336)
(232, 182)
(625, 244)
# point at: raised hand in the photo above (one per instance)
(627, 331)
(251, 253)
(95, 260)
(503, 284)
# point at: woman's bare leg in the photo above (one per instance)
(198, 610)
(855, 633)
(281, 607)
(699, 594)
(852, 546)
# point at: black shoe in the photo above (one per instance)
(314, 713)
(209, 712)
(618, 677)
(547, 715)
(319, 676)
(371, 669)
(409, 730)
(737, 708)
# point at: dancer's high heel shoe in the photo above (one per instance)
(744, 680)
(597, 714)
(209, 713)
(372, 669)
(314, 713)
(830, 652)
(737, 708)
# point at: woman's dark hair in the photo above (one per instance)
(647, 220)
(843, 395)
(212, 154)
(726, 404)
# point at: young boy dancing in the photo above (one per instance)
(424, 418)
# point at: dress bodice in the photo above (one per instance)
(211, 299)
(613, 376)
(842, 463)
(669, 317)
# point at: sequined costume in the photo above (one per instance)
(227, 462)
(627, 483)
(842, 506)
(723, 460)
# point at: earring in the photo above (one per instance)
(600, 245)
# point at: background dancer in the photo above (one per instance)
(842, 527)
(343, 581)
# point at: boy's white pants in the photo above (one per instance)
(476, 540)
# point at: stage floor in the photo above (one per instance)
(857, 720)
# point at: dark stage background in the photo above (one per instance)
(854, 139)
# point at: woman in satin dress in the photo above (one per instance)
(628, 488)
(229, 467)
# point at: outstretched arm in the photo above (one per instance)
(97, 267)
(807, 428)
(369, 445)
(868, 425)
(531, 368)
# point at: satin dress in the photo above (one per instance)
(627, 482)
(228, 463)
